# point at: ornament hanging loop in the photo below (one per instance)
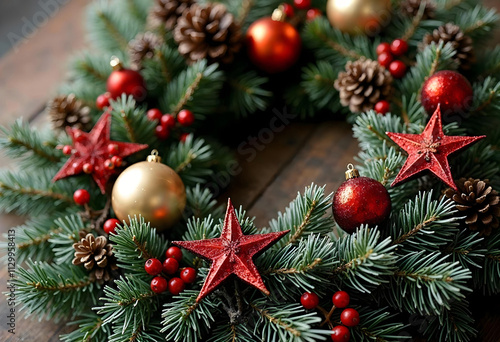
(115, 63)
(154, 157)
(351, 172)
(279, 14)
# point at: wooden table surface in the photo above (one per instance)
(300, 154)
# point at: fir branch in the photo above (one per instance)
(69, 228)
(90, 329)
(455, 324)
(488, 277)
(200, 203)
(377, 325)
(466, 249)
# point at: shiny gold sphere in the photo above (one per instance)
(359, 16)
(152, 190)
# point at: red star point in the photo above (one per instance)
(92, 148)
(231, 253)
(429, 150)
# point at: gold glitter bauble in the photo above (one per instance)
(359, 16)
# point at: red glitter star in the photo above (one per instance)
(231, 253)
(430, 150)
(93, 148)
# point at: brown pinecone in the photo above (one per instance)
(166, 12)
(363, 84)
(208, 31)
(142, 47)
(67, 111)
(478, 202)
(461, 43)
(410, 8)
(96, 255)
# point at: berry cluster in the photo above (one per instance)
(170, 266)
(301, 5)
(349, 317)
(386, 57)
(167, 122)
(102, 100)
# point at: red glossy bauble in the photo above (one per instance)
(126, 81)
(449, 89)
(360, 200)
(273, 46)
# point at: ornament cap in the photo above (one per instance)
(115, 63)
(351, 172)
(279, 14)
(154, 157)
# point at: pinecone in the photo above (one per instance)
(461, 43)
(142, 47)
(96, 255)
(166, 12)
(410, 8)
(208, 31)
(363, 84)
(67, 111)
(479, 202)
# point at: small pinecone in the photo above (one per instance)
(208, 31)
(166, 12)
(461, 43)
(142, 47)
(96, 255)
(478, 202)
(67, 111)
(410, 8)
(363, 84)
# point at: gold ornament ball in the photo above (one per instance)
(359, 16)
(150, 189)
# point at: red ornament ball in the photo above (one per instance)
(385, 59)
(397, 69)
(159, 284)
(273, 46)
(399, 47)
(288, 9)
(349, 317)
(382, 107)
(81, 197)
(383, 48)
(126, 81)
(313, 13)
(450, 90)
(185, 117)
(174, 252)
(302, 4)
(360, 200)
(340, 334)
(110, 225)
(153, 266)
(176, 286)
(154, 114)
(188, 275)
(102, 100)
(309, 300)
(168, 121)
(340, 299)
(67, 149)
(170, 266)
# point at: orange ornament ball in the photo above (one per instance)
(273, 46)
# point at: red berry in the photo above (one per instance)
(108, 164)
(399, 47)
(349, 317)
(159, 284)
(168, 121)
(102, 100)
(78, 135)
(162, 132)
(188, 275)
(77, 167)
(113, 149)
(340, 334)
(81, 197)
(153, 266)
(302, 4)
(88, 168)
(174, 252)
(170, 266)
(382, 107)
(313, 13)
(117, 161)
(67, 149)
(309, 300)
(340, 299)
(288, 9)
(397, 69)
(154, 114)
(183, 137)
(383, 48)
(176, 286)
(385, 59)
(110, 225)
(185, 117)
